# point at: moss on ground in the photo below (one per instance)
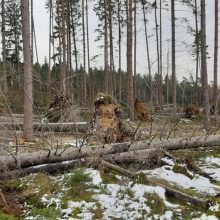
(155, 203)
(180, 169)
(78, 183)
(7, 217)
(108, 176)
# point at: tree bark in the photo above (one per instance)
(63, 64)
(173, 56)
(107, 77)
(215, 86)
(84, 83)
(204, 67)
(119, 51)
(118, 151)
(130, 87)
(50, 33)
(197, 53)
(5, 83)
(28, 98)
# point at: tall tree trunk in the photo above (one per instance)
(28, 98)
(111, 61)
(84, 52)
(75, 46)
(69, 47)
(215, 86)
(158, 56)
(50, 33)
(135, 48)
(161, 59)
(88, 54)
(5, 84)
(204, 66)
(106, 49)
(173, 56)
(63, 63)
(148, 52)
(197, 53)
(129, 60)
(32, 33)
(119, 51)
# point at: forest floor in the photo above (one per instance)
(99, 193)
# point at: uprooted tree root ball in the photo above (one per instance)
(106, 122)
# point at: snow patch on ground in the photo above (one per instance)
(199, 183)
(127, 200)
(84, 210)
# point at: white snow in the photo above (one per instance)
(199, 183)
(205, 217)
(95, 175)
(84, 208)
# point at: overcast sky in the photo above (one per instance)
(185, 65)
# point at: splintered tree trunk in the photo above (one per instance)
(204, 66)
(215, 89)
(129, 60)
(173, 56)
(28, 98)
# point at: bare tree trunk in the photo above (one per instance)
(32, 33)
(84, 53)
(111, 63)
(197, 53)
(119, 50)
(148, 53)
(5, 84)
(204, 66)
(215, 86)
(161, 59)
(135, 48)
(129, 60)
(173, 56)
(74, 43)
(69, 49)
(107, 78)
(88, 55)
(28, 98)
(63, 63)
(50, 33)
(158, 57)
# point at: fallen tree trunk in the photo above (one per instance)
(178, 194)
(55, 127)
(53, 168)
(136, 150)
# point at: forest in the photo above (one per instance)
(109, 109)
